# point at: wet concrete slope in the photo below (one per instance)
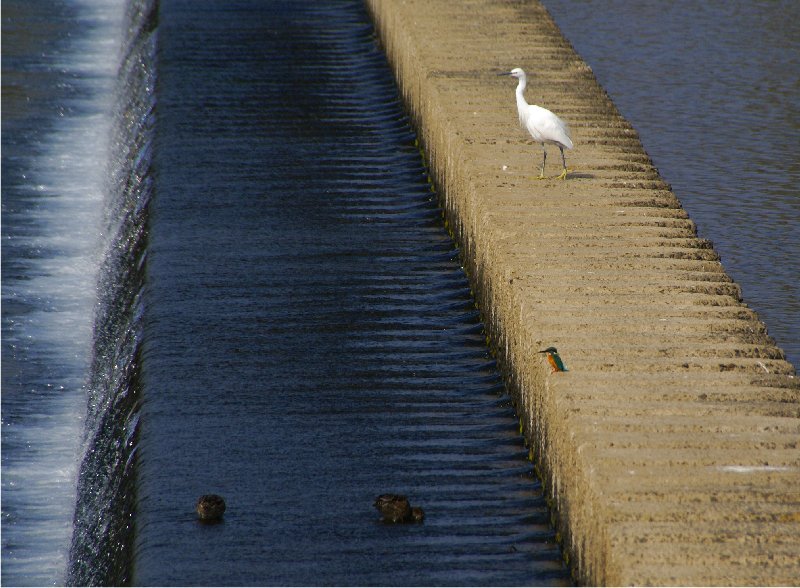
(671, 447)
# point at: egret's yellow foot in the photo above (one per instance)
(563, 175)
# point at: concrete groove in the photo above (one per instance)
(671, 447)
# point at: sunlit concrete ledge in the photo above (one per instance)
(671, 447)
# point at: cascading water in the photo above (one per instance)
(287, 322)
(103, 528)
(60, 60)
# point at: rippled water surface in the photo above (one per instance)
(310, 340)
(714, 90)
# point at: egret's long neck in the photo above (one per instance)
(522, 105)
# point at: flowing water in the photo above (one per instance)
(310, 341)
(279, 317)
(59, 64)
(714, 90)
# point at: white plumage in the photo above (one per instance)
(544, 126)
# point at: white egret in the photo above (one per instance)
(544, 126)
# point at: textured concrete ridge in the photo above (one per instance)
(671, 448)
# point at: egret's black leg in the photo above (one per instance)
(544, 160)
(563, 175)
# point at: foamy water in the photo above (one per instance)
(54, 164)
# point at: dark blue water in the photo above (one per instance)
(310, 340)
(283, 320)
(714, 90)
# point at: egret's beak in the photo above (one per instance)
(505, 73)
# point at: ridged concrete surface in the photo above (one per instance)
(671, 447)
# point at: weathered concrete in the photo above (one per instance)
(671, 448)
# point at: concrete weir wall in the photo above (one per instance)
(671, 447)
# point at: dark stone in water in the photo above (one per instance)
(210, 508)
(395, 508)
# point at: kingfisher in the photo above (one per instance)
(554, 360)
